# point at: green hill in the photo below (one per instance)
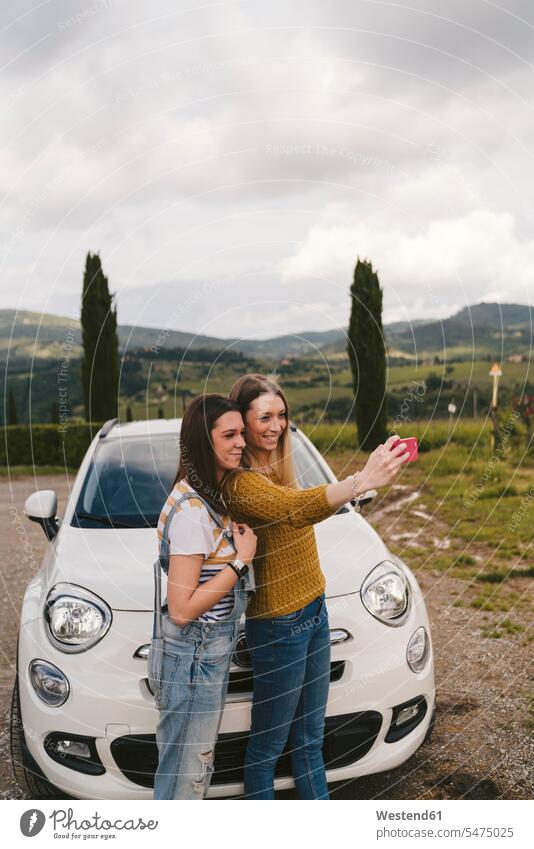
(161, 368)
(476, 330)
(507, 316)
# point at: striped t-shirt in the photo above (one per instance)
(193, 531)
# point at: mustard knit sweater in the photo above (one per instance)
(287, 570)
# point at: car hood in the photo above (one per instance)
(117, 564)
(348, 549)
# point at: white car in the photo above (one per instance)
(83, 716)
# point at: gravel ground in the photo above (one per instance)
(480, 746)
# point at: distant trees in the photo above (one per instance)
(367, 354)
(12, 416)
(100, 360)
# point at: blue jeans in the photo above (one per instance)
(190, 698)
(291, 665)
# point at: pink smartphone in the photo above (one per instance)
(411, 445)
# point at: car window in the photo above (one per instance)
(310, 472)
(129, 480)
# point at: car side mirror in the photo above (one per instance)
(41, 507)
(365, 499)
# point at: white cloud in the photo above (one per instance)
(427, 253)
(241, 139)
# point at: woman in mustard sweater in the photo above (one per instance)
(287, 622)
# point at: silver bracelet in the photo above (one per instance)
(355, 488)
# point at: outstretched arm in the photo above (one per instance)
(381, 468)
(256, 496)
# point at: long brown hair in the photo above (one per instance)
(244, 391)
(197, 457)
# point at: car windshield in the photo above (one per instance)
(129, 480)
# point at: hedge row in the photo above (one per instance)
(432, 434)
(46, 444)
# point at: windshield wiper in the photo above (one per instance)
(104, 520)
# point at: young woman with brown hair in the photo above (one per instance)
(207, 592)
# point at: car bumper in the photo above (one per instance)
(110, 703)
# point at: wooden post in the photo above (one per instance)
(495, 437)
(495, 372)
(452, 409)
(528, 411)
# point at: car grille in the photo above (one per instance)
(240, 680)
(347, 739)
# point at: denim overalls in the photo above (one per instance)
(188, 668)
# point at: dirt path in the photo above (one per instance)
(480, 747)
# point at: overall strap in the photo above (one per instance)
(228, 536)
(162, 561)
(248, 583)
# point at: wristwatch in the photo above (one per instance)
(238, 566)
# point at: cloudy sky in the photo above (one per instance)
(230, 160)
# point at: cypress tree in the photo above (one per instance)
(100, 360)
(129, 417)
(12, 417)
(54, 412)
(367, 355)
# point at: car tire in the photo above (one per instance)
(28, 776)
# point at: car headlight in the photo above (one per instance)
(418, 649)
(49, 682)
(385, 593)
(76, 618)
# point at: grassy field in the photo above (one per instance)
(472, 434)
(318, 384)
(471, 372)
(464, 511)
(13, 471)
(471, 517)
